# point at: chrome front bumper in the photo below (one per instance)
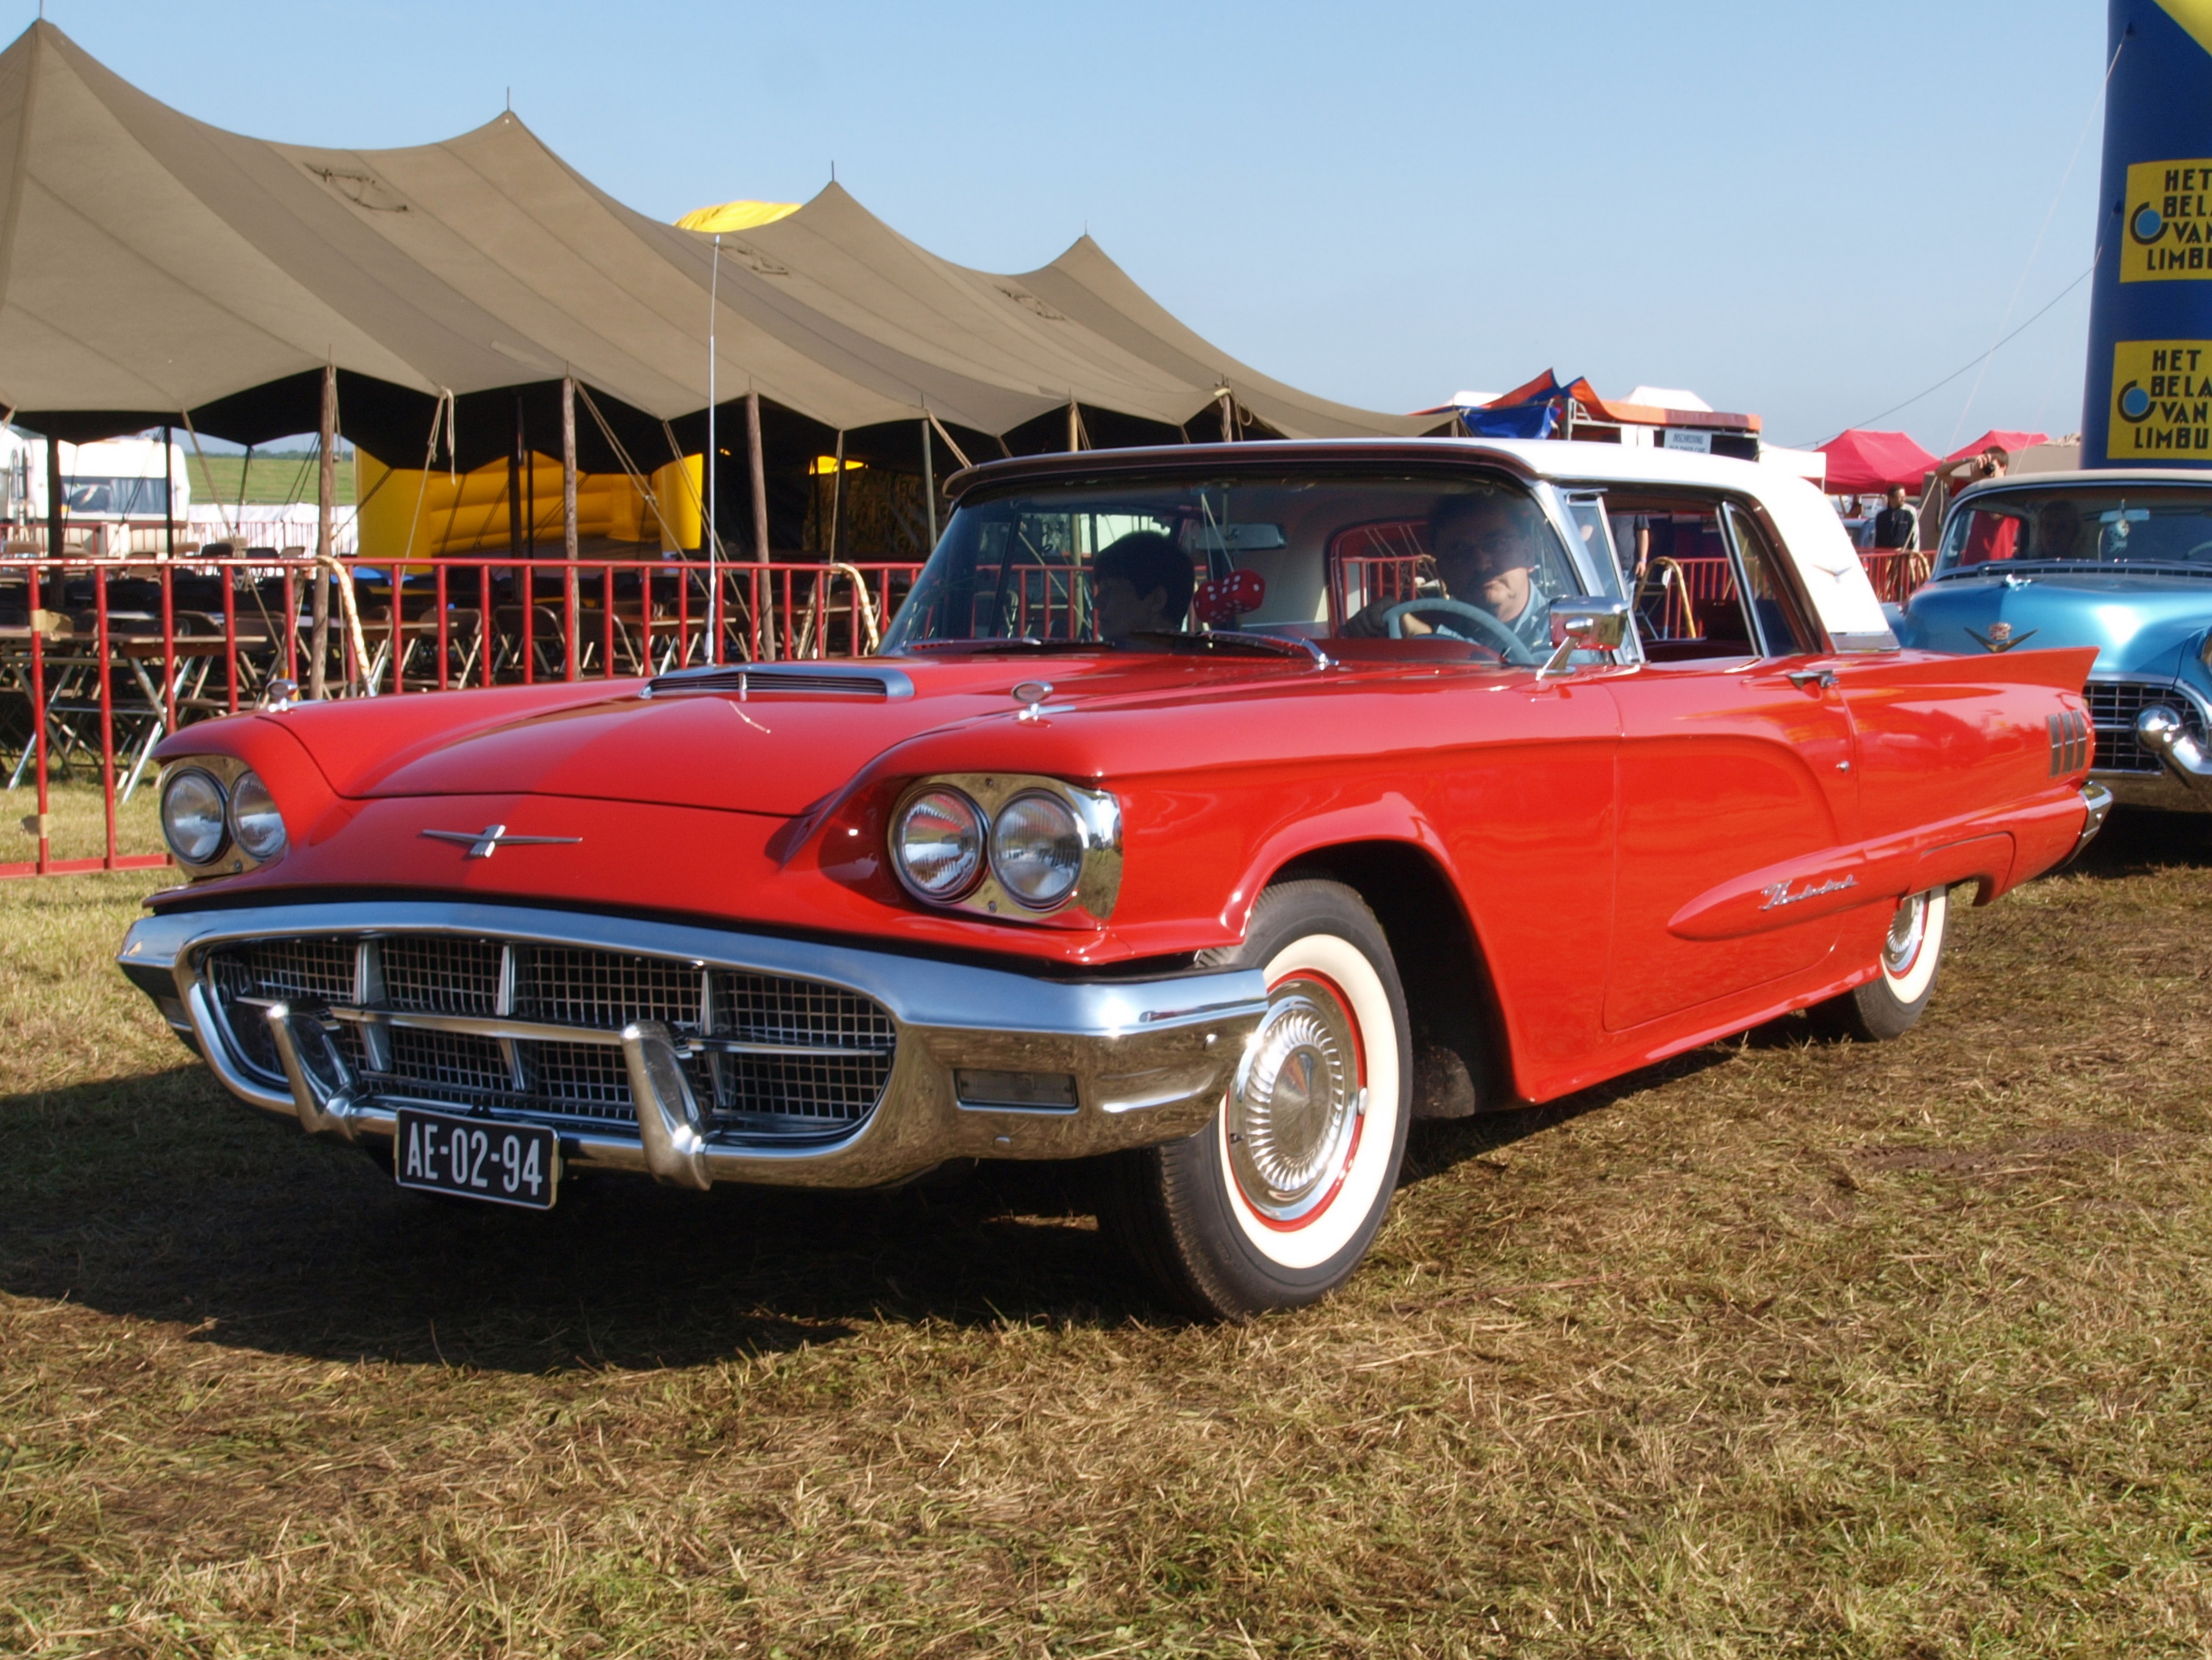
(2187, 781)
(1149, 1059)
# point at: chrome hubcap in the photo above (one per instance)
(1908, 932)
(1296, 1103)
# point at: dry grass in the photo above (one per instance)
(1779, 1349)
(78, 826)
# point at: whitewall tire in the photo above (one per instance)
(1886, 1005)
(1275, 1203)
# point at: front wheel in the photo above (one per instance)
(1886, 1005)
(1275, 1203)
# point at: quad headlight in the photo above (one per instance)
(936, 845)
(194, 816)
(1008, 846)
(254, 820)
(1036, 850)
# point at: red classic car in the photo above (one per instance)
(1210, 811)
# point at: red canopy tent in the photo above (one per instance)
(2012, 443)
(1862, 463)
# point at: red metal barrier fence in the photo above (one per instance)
(100, 659)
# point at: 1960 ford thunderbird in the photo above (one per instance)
(1210, 811)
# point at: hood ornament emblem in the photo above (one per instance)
(2001, 638)
(1030, 695)
(481, 844)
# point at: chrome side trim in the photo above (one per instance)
(1151, 1058)
(670, 1126)
(2162, 731)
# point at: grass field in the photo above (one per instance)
(1781, 1348)
(270, 478)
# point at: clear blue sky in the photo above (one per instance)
(1808, 211)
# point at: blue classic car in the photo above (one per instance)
(2118, 560)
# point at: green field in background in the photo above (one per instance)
(271, 480)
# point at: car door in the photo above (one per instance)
(1737, 778)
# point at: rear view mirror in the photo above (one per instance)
(1240, 538)
(1582, 623)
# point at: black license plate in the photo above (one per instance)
(478, 1158)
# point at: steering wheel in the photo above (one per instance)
(1488, 630)
(2201, 547)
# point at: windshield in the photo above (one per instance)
(116, 495)
(1465, 566)
(2115, 524)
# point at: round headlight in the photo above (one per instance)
(936, 845)
(254, 819)
(1036, 849)
(192, 815)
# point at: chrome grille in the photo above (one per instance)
(765, 1008)
(597, 988)
(749, 1095)
(436, 975)
(446, 1067)
(2113, 706)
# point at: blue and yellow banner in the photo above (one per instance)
(2148, 391)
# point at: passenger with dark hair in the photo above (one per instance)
(1141, 584)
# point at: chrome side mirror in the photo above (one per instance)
(1582, 623)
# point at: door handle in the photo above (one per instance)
(1812, 679)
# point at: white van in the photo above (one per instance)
(117, 481)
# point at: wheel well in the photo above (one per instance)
(1449, 994)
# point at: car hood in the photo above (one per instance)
(2139, 624)
(758, 748)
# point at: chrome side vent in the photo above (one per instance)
(2069, 742)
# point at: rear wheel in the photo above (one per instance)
(1277, 1201)
(1886, 1005)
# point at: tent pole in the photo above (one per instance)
(929, 486)
(1228, 421)
(760, 476)
(514, 493)
(326, 488)
(168, 495)
(569, 468)
(837, 501)
(713, 538)
(53, 501)
(1074, 434)
(763, 592)
(569, 581)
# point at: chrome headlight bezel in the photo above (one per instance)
(1096, 813)
(230, 859)
(179, 778)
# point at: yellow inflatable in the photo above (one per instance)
(410, 514)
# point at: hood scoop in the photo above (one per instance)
(843, 680)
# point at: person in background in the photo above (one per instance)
(1991, 536)
(1896, 526)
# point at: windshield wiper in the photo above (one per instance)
(1003, 643)
(1227, 641)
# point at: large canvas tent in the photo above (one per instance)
(155, 269)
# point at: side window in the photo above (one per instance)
(1682, 577)
(1783, 629)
